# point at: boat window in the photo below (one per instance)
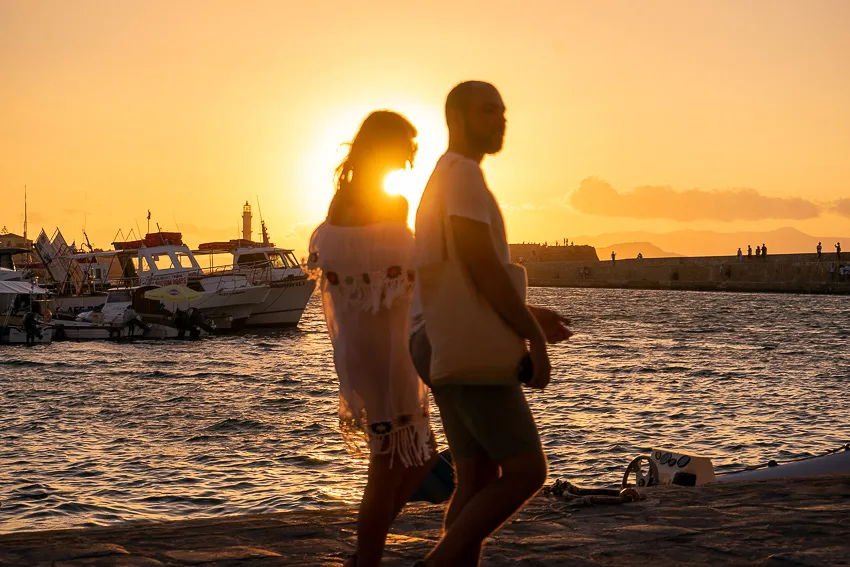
(276, 260)
(184, 260)
(119, 296)
(293, 261)
(160, 262)
(255, 258)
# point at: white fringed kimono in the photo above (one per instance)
(366, 285)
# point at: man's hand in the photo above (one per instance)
(553, 324)
(541, 365)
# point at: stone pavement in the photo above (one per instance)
(782, 523)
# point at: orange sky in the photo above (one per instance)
(189, 108)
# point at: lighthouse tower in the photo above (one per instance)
(246, 222)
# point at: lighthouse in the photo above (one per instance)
(246, 222)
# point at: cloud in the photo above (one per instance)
(596, 197)
(842, 207)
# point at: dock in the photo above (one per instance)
(791, 522)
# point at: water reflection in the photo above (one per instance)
(98, 433)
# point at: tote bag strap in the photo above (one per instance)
(448, 239)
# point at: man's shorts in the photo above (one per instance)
(489, 421)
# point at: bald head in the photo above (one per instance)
(459, 97)
(475, 115)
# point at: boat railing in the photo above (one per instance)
(254, 271)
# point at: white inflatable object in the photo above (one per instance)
(835, 463)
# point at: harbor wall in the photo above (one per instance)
(790, 273)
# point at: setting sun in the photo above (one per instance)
(398, 183)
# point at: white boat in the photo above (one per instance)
(8, 270)
(16, 299)
(127, 314)
(275, 267)
(162, 259)
(227, 298)
(835, 462)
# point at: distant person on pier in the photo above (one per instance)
(763, 251)
(640, 256)
(740, 255)
(758, 252)
(613, 257)
(364, 252)
(820, 249)
(838, 251)
(749, 251)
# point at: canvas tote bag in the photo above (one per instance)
(470, 342)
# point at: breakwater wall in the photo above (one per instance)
(789, 273)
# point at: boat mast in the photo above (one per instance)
(262, 223)
(29, 256)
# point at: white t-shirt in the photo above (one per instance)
(458, 182)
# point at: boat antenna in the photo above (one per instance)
(87, 241)
(159, 230)
(262, 223)
(149, 222)
(175, 222)
(25, 212)
(29, 252)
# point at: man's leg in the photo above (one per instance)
(522, 477)
(500, 423)
(472, 475)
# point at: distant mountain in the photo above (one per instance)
(709, 243)
(627, 250)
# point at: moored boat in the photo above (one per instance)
(266, 264)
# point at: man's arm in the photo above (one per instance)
(475, 250)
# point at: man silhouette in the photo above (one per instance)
(499, 459)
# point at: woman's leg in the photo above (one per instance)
(377, 510)
(412, 478)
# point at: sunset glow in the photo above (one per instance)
(658, 117)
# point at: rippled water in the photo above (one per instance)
(100, 433)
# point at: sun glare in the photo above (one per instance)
(398, 183)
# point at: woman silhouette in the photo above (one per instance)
(364, 251)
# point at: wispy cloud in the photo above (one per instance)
(596, 197)
(842, 207)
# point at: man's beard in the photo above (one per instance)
(487, 143)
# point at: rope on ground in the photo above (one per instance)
(578, 496)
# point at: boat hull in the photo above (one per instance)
(83, 331)
(229, 309)
(10, 335)
(284, 305)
